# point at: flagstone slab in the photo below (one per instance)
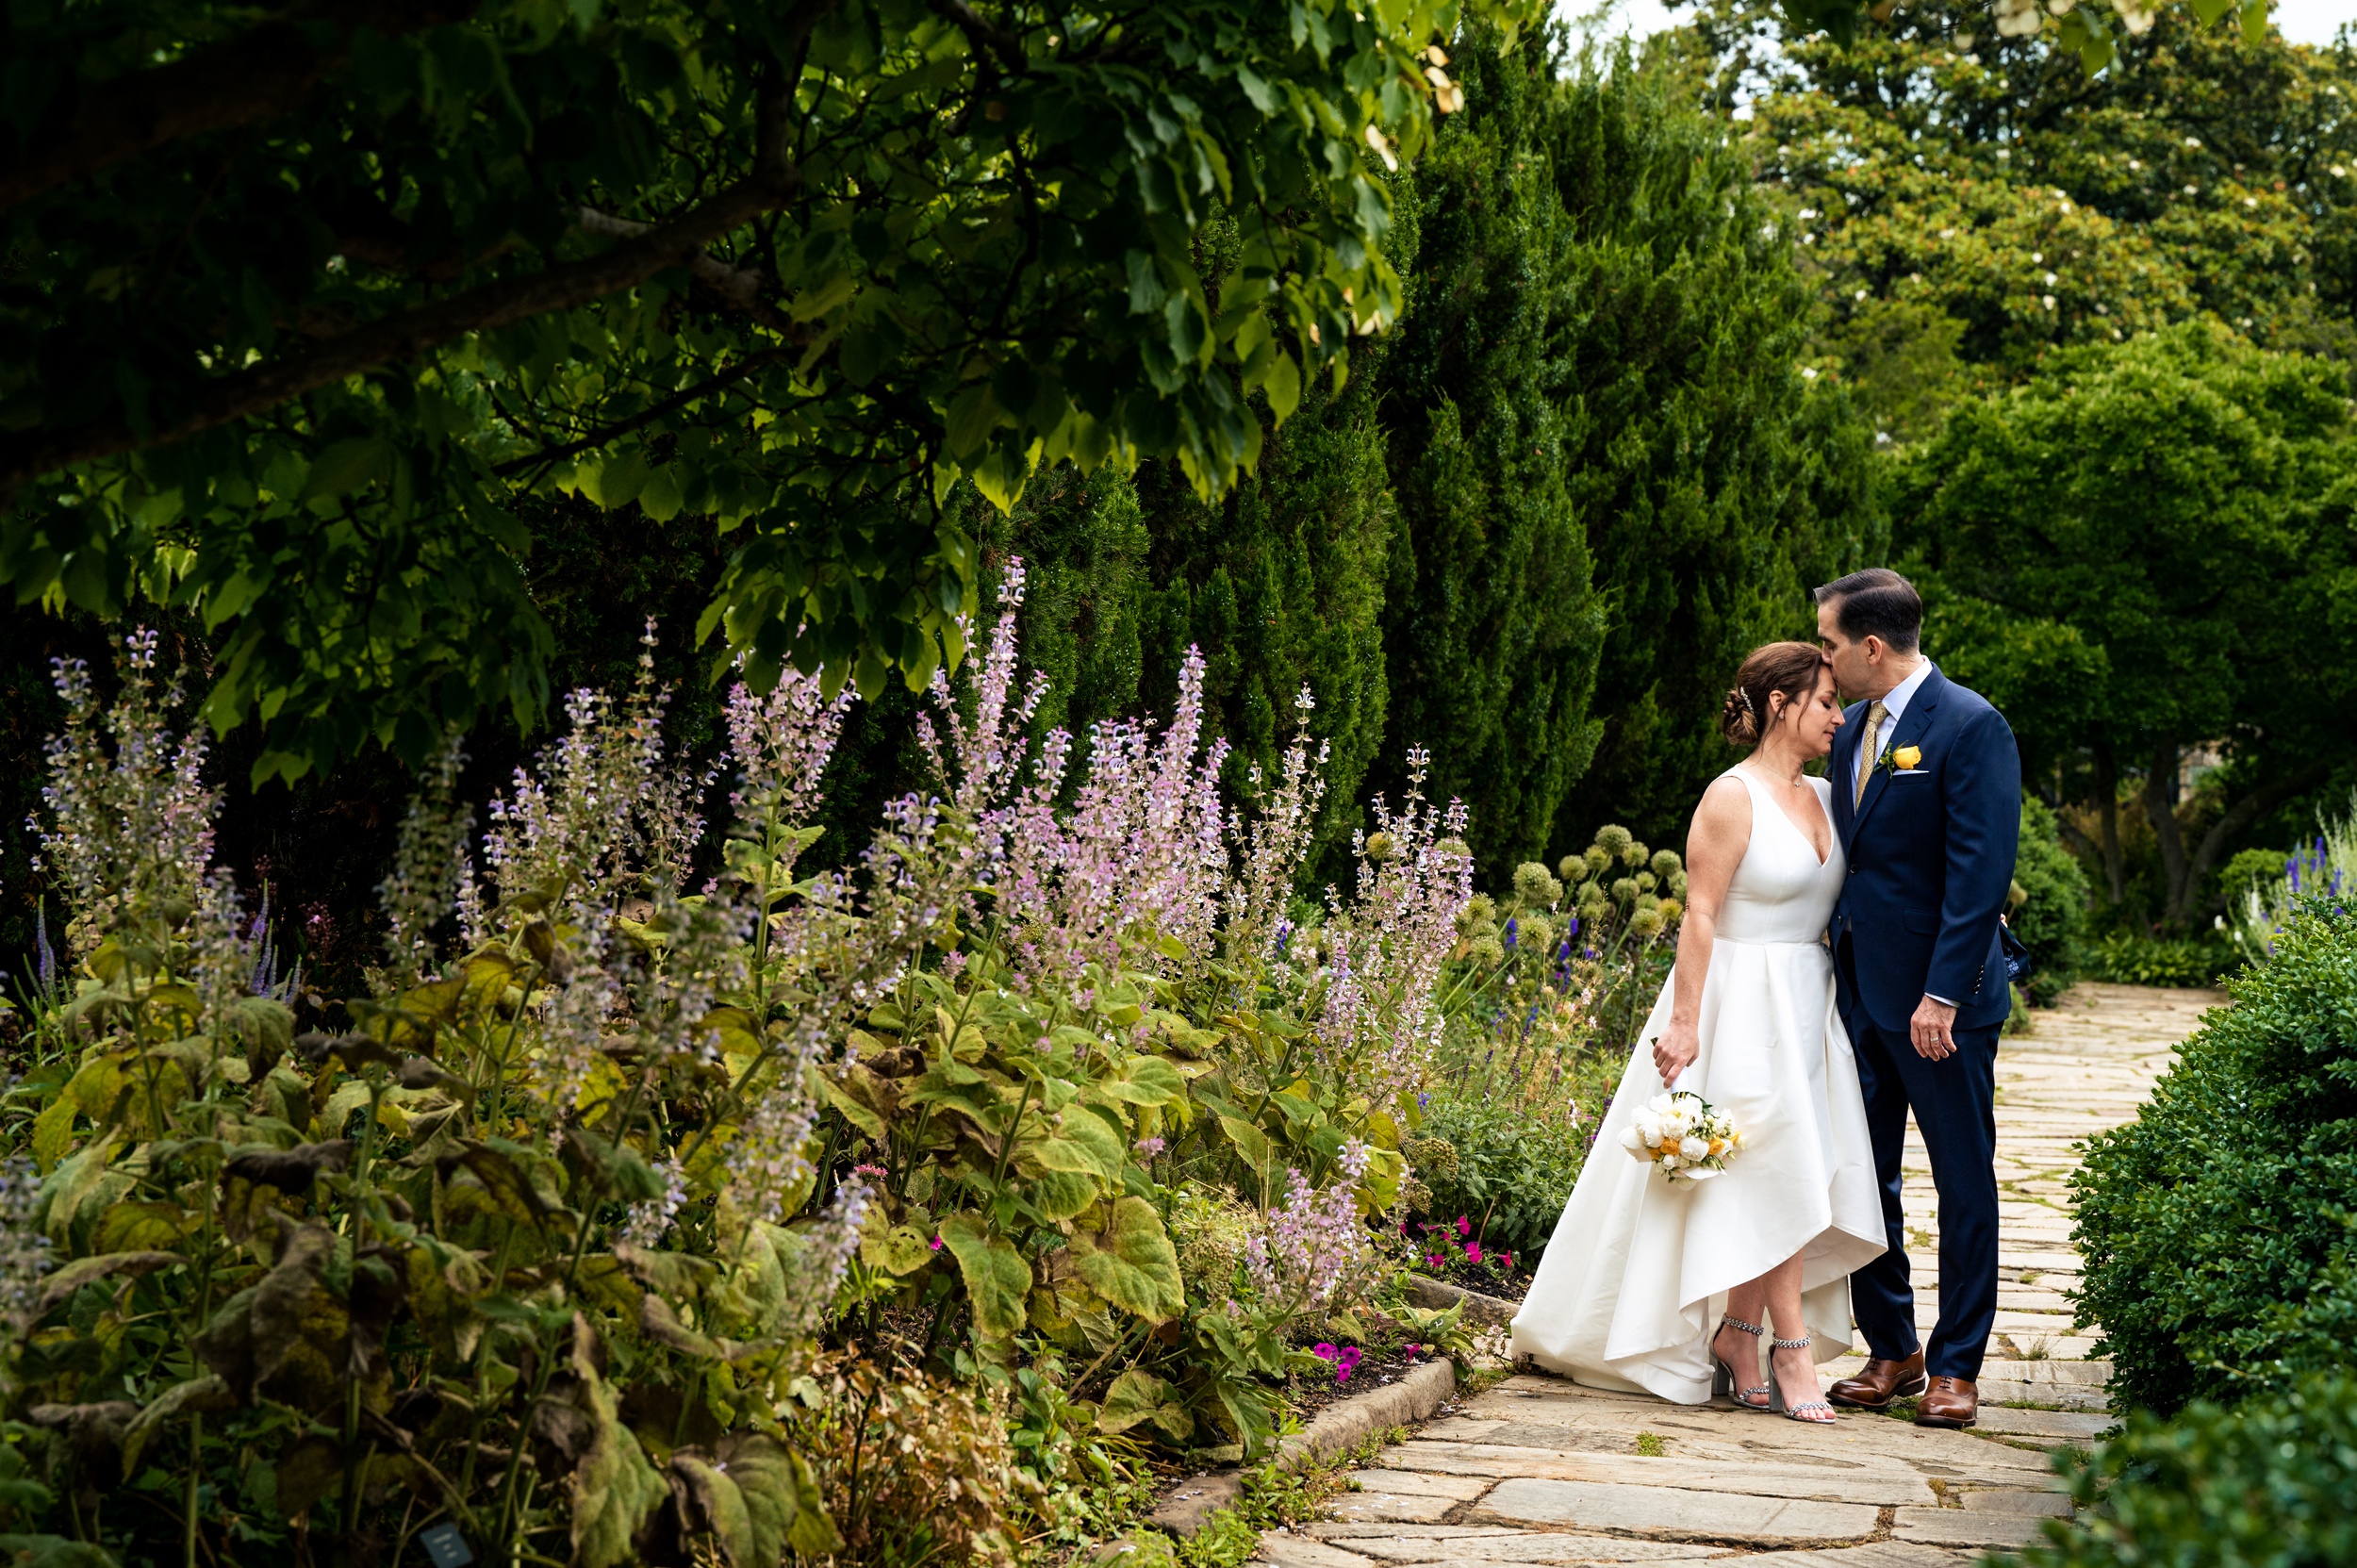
(1422, 1483)
(1875, 1488)
(2059, 1397)
(1662, 1511)
(1393, 1507)
(1283, 1550)
(1877, 1554)
(2060, 1426)
(2024, 1504)
(1955, 1526)
(1330, 1530)
(1534, 1547)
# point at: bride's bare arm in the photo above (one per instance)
(1714, 848)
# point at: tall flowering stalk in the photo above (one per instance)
(1314, 1248)
(128, 820)
(1381, 1010)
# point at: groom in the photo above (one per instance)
(1927, 801)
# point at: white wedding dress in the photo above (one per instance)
(1629, 1292)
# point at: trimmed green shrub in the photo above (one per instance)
(2270, 1484)
(1513, 1170)
(2219, 1228)
(2052, 916)
(2125, 958)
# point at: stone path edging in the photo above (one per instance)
(1336, 1429)
(1491, 1312)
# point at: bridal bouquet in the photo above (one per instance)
(1683, 1137)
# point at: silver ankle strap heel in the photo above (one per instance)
(1805, 1410)
(1722, 1378)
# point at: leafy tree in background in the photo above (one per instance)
(300, 309)
(1969, 201)
(2175, 513)
(1613, 483)
(2084, 34)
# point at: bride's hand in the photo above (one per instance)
(1674, 1051)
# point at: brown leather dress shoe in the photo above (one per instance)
(1950, 1402)
(1879, 1384)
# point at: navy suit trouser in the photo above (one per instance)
(1956, 1109)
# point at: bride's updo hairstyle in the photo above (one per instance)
(1788, 668)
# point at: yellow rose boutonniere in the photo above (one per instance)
(1901, 759)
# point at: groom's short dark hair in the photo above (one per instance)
(1876, 603)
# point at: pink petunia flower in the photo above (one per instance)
(1464, 1225)
(1473, 1253)
(1324, 1351)
(937, 1244)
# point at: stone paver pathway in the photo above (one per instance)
(1538, 1470)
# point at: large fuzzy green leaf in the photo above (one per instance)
(997, 1277)
(1131, 1262)
(781, 1500)
(1140, 1396)
(1146, 1081)
(615, 1490)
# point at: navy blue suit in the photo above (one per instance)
(1931, 854)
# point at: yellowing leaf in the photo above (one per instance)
(997, 1277)
(899, 1250)
(1132, 1264)
(615, 1490)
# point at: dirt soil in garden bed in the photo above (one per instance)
(1511, 1285)
(1308, 1392)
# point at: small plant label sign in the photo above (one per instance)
(446, 1546)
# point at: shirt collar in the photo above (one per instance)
(1896, 699)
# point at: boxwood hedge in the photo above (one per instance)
(2220, 1228)
(2270, 1484)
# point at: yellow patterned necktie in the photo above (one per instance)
(1874, 711)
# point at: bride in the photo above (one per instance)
(1623, 1294)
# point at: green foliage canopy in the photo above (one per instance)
(1969, 203)
(2181, 505)
(298, 310)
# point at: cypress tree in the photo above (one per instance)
(1716, 487)
(1612, 481)
(1494, 628)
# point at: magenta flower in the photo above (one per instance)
(1347, 1362)
(937, 1244)
(1473, 1253)
(1432, 1260)
(1324, 1351)
(1464, 1225)
(1412, 1350)
(1506, 1259)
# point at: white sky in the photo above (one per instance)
(2302, 20)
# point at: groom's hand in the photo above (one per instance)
(1933, 1028)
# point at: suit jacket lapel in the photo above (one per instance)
(1910, 729)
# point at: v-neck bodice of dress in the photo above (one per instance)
(1781, 891)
